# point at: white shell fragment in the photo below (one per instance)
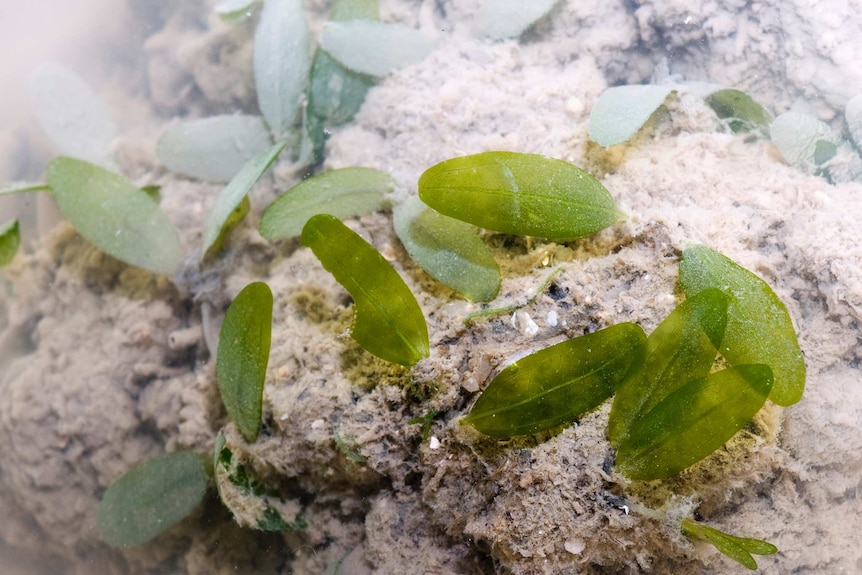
(502, 19)
(72, 115)
(796, 136)
(374, 48)
(621, 111)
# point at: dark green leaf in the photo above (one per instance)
(449, 250)
(243, 354)
(557, 384)
(151, 498)
(523, 194)
(271, 520)
(213, 149)
(737, 548)
(10, 239)
(114, 215)
(693, 421)
(341, 193)
(387, 320)
(232, 196)
(683, 347)
(281, 63)
(759, 329)
(740, 110)
(621, 111)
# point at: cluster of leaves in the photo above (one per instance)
(804, 141)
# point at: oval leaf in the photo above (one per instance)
(72, 115)
(759, 329)
(387, 320)
(449, 250)
(740, 111)
(243, 354)
(341, 193)
(151, 498)
(281, 63)
(374, 48)
(232, 196)
(213, 149)
(10, 239)
(502, 19)
(554, 386)
(524, 194)
(693, 421)
(683, 347)
(114, 215)
(797, 135)
(235, 11)
(621, 111)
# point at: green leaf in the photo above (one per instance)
(114, 215)
(341, 193)
(759, 329)
(524, 194)
(235, 11)
(374, 48)
(336, 93)
(449, 250)
(502, 19)
(243, 354)
(683, 347)
(151, 498)
(621, 111)
(22, 187)
(555, 385)
(10, 239)
(693, 421)
(231, 198)
(739, 549)
(740, 110)
(281, 63)
(72, 115)
(387, 320)
(853, 117)
(213, 149)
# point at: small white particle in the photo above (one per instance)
(318, 424)
(574, 546)
(433, 443)
(552, 318)
(283, 417)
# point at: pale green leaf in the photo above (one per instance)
(449, 250)
(235, 11)
(853, 117)
(693, 421)
(281, 63)
(739, 549)
(243, 354)
(682, 348)
(354, 10)
(213, 149)
(741, 111)
(374, 48)
(524, 194)
(387, 320)
(114, 215)
(759, 329)
(796, 136)
(621, 111)
(10, 188)
(10, 239)
(151, 498)
(342, 193)
(232, 196)
(555, 385)
(74, 117)
(502, 19)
